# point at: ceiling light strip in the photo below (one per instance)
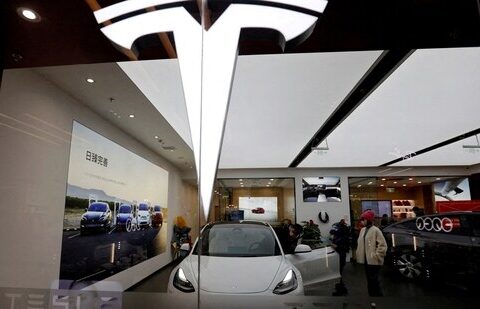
(398, 172)
(385, 65)
(433, 147)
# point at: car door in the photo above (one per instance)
(475, 238)
(318, 265)
(448, 245)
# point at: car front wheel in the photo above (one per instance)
(409, 266)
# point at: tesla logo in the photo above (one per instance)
(207, 58)
(436, 224)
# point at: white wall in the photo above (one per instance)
(35, 129)
(335, 210)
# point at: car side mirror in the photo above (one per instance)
(86, 209)
(302, 249)
(185, 247)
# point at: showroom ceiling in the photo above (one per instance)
(115, 98)
(69, 34)
(280, 102)
(430, 98)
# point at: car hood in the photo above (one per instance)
(236, 275)
(124, 217)
(90, 215)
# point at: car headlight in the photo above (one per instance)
(181, 282)
(288, 284)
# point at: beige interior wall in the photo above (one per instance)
(289, 204)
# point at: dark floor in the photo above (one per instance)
(398, 292)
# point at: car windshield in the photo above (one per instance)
(125, 209)
(239, 240)
(143, 207)
(97, 207)
(157, 208)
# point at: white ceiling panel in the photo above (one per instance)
(112, 82)
(453, 154)
(432, 97)
(278, 102)
(161, 83)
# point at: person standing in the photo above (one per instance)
(340, 234)
(294, 238)
(371, 251)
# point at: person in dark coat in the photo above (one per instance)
(340, 235)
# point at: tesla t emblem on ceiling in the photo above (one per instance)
(207, 74)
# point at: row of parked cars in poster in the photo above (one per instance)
(126, 217)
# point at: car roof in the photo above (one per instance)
(245, 222)
(453, 213)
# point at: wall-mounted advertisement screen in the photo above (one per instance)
(115, 210)
(457, 189)
(321, 189)
(259, 208)
(380, 208)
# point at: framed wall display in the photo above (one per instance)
(115, 210)
(321, 189)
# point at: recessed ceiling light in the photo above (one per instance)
(395, 182)
(271, 179)
(156, 136)
(382, 185)
(410, 179)
(438, 178)
(383, 179)
(404, 185)
(90, 80)
(240, 179)
(268, 185)
(28, 14)
(131, 116)
(370, 182)
(359, 186)
(419, 182)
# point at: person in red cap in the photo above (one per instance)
(371, 251)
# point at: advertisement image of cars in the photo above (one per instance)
(97, 217)
(442, 246)
(144, 215)
(157, 216)
(258, 210)
(249, 259)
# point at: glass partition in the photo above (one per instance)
(213, 153)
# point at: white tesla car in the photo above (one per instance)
(247, 258)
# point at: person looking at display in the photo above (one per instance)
(294, 238)
(340, 235)
(371, 250)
